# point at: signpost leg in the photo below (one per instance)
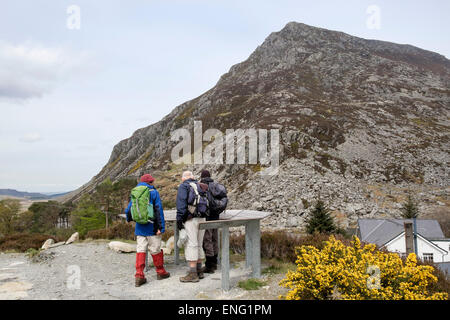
(219, 236)
(175, 246)
(248, 246)
(255, 233)
(225, 261)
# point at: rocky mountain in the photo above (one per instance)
(361, 122)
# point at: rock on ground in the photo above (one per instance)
(47, 244)
(74, 237)
(119, 246)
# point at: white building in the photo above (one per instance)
(390, 234)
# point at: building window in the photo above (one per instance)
(428, 257)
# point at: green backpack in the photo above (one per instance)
(141, 209)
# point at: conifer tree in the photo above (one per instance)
(320, 219)
(409, 209)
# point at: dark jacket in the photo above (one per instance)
(150, 228)
(213, 215)
(182, 200)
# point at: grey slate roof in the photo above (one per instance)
(380, 231)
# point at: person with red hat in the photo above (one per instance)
(149, 235)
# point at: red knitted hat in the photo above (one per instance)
(147, 178)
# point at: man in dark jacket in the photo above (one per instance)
(193, 248)
(149, 235)
(210, 240)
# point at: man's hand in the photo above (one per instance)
(158, 232)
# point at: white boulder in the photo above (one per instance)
(73, 238)
(170, 243)
(119, 246)
(47, 244)
(57, 244)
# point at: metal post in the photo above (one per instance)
(255, 233)
(176, 250)
(248, 246)
(225, 261)
(415, 236)
(219, 236)
(146, 259)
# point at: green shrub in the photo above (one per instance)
(251, 284)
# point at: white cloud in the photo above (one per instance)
(29, 70)
(31, 137)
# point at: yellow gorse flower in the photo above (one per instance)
(340, 270)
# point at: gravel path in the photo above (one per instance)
(105, 274)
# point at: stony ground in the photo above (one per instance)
(105, 274)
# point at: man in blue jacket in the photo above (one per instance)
(149, 235)
(193, 250)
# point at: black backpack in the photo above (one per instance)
(198, 202)
(217, 197)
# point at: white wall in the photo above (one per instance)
(444, 244)
(398, 245)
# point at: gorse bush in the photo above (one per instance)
(346, 272)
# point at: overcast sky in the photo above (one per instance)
(68, 95)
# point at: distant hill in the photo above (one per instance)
(28, 195)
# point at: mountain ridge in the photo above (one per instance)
(30, 195)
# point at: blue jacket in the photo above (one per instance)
(150, 228)
(182, 200)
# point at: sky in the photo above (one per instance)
(78, 76)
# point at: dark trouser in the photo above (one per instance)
(210, 243)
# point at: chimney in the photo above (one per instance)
(409, 238)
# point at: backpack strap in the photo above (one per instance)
(197, 195)
(150, 196)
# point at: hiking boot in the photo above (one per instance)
(190, 277)
(139, 282)
(200, 273)
(162, 276)
(209, 269)
(214, 262)
(209, 265)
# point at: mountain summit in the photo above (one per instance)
(361, 122)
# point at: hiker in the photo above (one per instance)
(149, 227)
(192, 208)
(218, 200)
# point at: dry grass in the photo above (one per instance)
(281, 245)
(23, 241)
(119, 230)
